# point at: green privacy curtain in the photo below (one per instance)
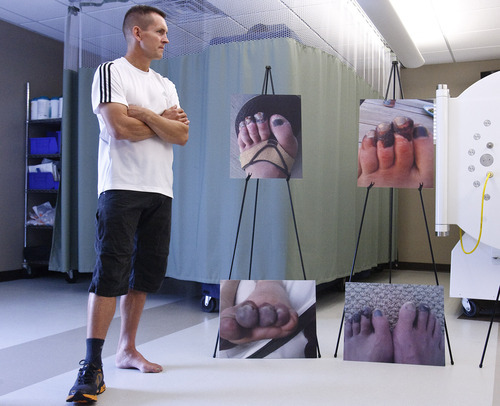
(72, 246)
(327, 202)
(64, 254)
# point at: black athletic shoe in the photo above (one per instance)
(89, 384)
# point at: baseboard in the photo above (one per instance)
(419, 266)
(35, 271)
(11, 275)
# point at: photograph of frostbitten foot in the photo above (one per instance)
(267, 319)
(395, 145)
(402, 324)
(266, 142)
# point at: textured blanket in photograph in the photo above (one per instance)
(267, 319)
(266, 136)
(394, 323)
(396, 143)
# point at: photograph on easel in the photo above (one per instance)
(392, 323)
(267, 319)
(266, 136)
(396, 143)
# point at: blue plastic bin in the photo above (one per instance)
(42, 181)
(57, 136)
(43, 146)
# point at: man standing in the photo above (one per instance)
(139, 119)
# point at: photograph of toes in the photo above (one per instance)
(402, 324)
(396, 143)
(267, 319)
(266, 136)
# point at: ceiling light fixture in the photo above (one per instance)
(386, 20)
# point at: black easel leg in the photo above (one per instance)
(354, 262)
(235, 244)
(392, 74)
(239, 224)
(448, 342)
(399, 81)
(267, 77)
(360, 228)
(435, 269)
(253, 230)
(489, 328)
(295, 225)
(340, 333)
(389, 84)
(391, 215)
(298, 244)
(428, 234)
(216, 342)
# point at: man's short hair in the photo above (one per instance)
(139, 15)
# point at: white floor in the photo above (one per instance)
(42, 340)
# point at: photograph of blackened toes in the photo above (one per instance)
(396, 143)
(267, 319)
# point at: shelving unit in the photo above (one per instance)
(40, 187)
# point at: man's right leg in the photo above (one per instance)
(90, 380)
(100, 312)
(116, 221)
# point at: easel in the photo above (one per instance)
(274, 344)
(393, 73)
(489, 328)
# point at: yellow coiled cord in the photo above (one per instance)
(481, 224)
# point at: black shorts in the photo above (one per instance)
(132, 242)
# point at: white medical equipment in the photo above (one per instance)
(467, 131)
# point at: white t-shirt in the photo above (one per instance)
(144, 166)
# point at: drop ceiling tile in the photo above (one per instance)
(213, 28)
(320, 16)
(438, 45)
(238, 8)
(462, 21)
(12, 18)
(55, 31)
(445, 6)
(90, 6)
(35, 10)
(111, 16)
(469, 40)
(271, 18)
(432, 58)
(93, 28)
(477, 54)
(299, 3)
